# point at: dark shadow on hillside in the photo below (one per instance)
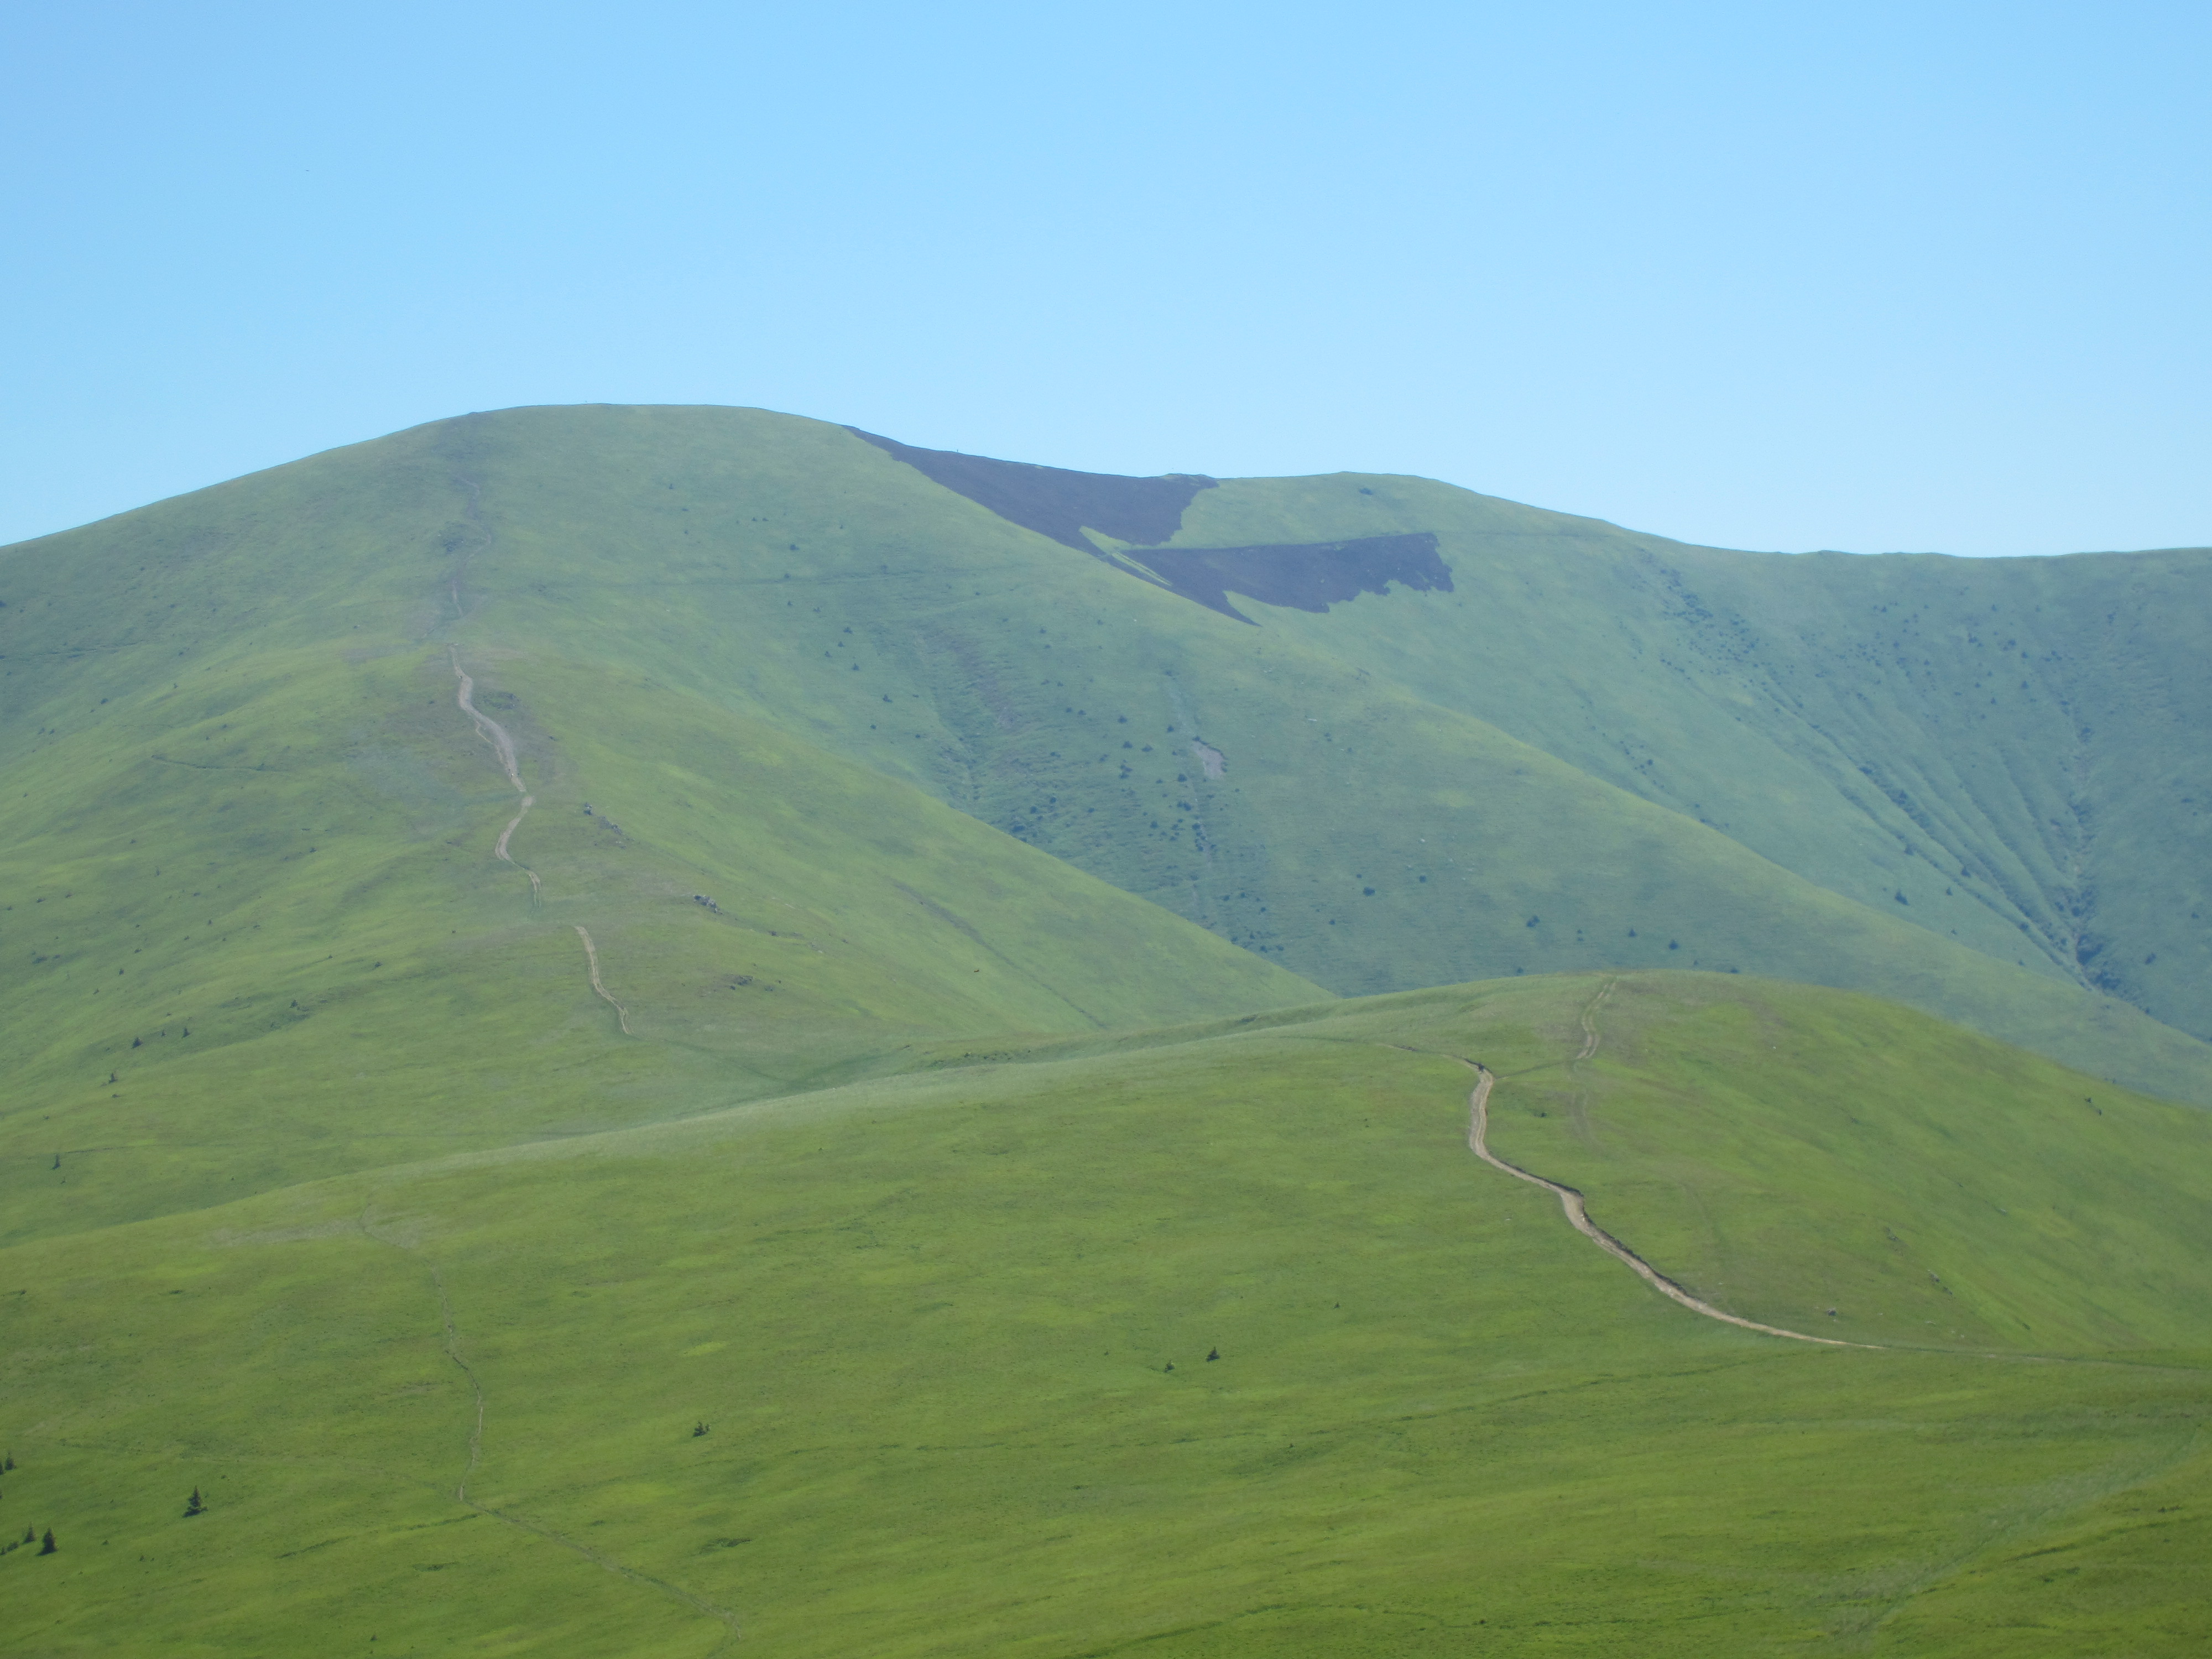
(1063, 505)
(1303, 576)
(1054, 501)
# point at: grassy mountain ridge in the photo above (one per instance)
(926, 1320)
(985, 714)
(1369, 826)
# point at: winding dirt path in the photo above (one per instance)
(487, 728)
(537, 892)
(592, 960)
(1478, 1141)
(503, 746)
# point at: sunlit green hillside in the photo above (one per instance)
(950, 1339)
(256, 933)
(1412, 787)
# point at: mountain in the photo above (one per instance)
(633, 1029)
(1456, 739)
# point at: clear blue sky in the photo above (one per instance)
(1777, 276)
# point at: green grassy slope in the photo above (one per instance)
(927, 1320)
(2011, 747)
(254, 931)
(1833, 1165)
(1368, 833)
(1365, 836)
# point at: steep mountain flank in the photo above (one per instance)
(2005, 751)
(1467, 738)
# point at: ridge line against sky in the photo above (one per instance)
(1870, 278)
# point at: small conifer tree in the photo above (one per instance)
(192, 1505)
(47, 1548)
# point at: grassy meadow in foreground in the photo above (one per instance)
(927, 1322)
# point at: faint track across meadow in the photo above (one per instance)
(1589, 1021)
(722, 1615)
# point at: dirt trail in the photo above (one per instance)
(592, 960)
(502, 745)
(722, 1615)
(487, 728)
(1478, 1141)
(476, 1383)
(537, 891)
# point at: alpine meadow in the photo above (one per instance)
(634, 1030)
